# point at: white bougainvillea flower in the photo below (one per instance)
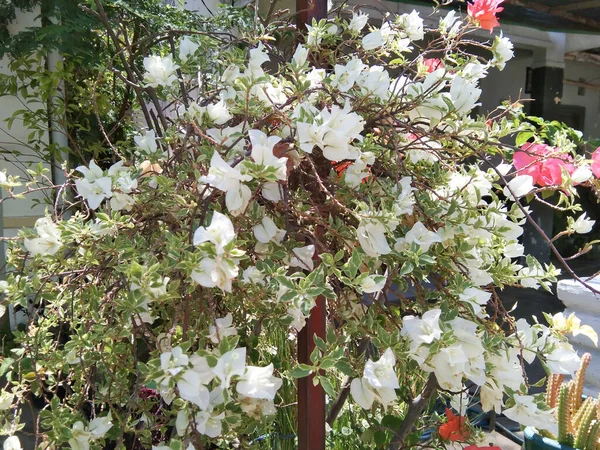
(514, 250)
(346, 75)
(373, 40)
(253, 275)
(358, 22)
(477, 298)
(271, 191)
(502, 51)
(146, 143)
(258, 57)
(6, 399)
(412, 24)
(265, 231)
(222, 328)
(583, 225)
(160, 71)
(362, 392)
(300, 56)
(526, 340)
(303, 257)
(262, 152)
(373, 284)
(220, 232)
(48, 241)
(216, 272)
(582, 174)
(259, 382)
(381, 374)
(95, 186)
(332, 132)
(229, 180)
(519, 186)
(82, 435)
(174, 361)
(474, 71)
(190, 388)
(256, 407)
(529, 277)
(202, 368)
(563, 359)
(572, 325)
(182, 422)
(187, 48)
(210, 423)
(12, 443)
(218, 113)
(371, 235)
(230, 364)
(464, 95)
(423, 330)
(375, 81)
(99, 426)
(421, 236)
(526, 412)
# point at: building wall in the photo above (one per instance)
(590, 98)
(20, 212)
(508, 84)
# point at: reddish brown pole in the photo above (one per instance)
(307, 10)
(311, 398)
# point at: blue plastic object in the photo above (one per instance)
(534, 441)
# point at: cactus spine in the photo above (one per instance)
(579, 381)
(563, 414)
(593, 435)
(583, 430)
(578, 421)
(553, 388)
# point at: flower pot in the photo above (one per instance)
(534, 441)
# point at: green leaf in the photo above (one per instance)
(327, 386)
(523, 137)
(6, 364)
(320, 343)
(327, 363)
(391, 422)
(301, 371)
(344, 366)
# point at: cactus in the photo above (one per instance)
(553, 388)
(578, 420)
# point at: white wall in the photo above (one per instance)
(590, 73)
(17, 213)
(508, 84)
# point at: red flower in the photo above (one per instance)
(341, 166)
(485, 12)
(596, 162)
(454, 429)
(433, 64)
(543, 163)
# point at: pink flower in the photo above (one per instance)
(485, 12)
(543, 163)
(433, 64)
(596, 163)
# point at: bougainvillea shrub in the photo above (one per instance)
(264, 169)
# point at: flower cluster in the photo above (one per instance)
(208, 385)
(338, 171)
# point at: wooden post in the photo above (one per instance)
(311, 398)
(307, 10)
